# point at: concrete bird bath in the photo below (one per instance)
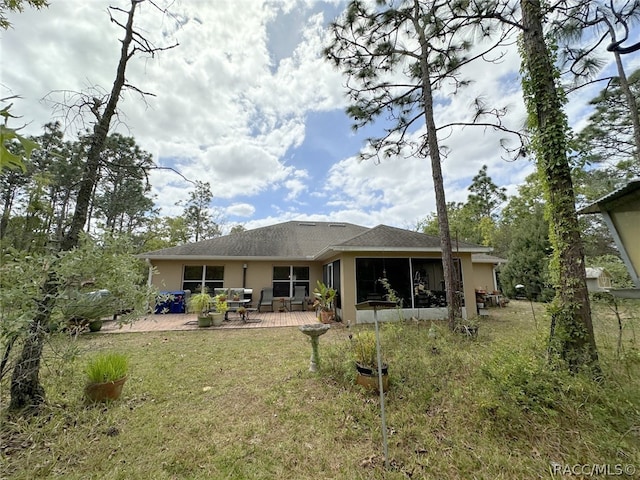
(314, 330)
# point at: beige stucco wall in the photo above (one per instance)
(483, 277)
(468, 286)
(168, 274)
(627, 222)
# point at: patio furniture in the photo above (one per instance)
(299, 297)
(266, 299)
(234, 305)
(283, 304)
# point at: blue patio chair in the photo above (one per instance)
(266, 298)
(299, 297)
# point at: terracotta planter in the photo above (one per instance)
(368, 377)
(103, 392)
(326, 317)
(204, 321)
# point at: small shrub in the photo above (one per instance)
(107, 367)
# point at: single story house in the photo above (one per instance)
(620, 210)
(350, 258)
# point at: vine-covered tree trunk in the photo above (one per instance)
(572, 331)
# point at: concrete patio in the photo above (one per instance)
(186, 321)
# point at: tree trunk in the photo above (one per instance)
(572, 336)
(98, 139)
(8, 196)
(26, 390)
(438, 182)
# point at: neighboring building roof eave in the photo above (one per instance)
(609, 200)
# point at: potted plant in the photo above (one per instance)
(366, 360)
(200, 303)
(106, 374)
(324, 297)
(87, 309)
(221, 308)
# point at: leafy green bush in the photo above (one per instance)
(107, 367)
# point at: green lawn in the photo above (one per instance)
(241, 404)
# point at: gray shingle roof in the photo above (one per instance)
(385, 237)
(285, 240)
(307, 240)
(484, 258)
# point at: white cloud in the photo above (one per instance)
(241, 210)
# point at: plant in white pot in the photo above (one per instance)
(221, 308)
(201, 303)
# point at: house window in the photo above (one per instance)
(286, 278)
(195, 276)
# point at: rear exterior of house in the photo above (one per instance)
(348, 257)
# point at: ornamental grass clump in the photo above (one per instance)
(107, 367)
(364, 349)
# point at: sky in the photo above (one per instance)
(247, 103)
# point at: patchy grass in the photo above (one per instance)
(241, 404)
